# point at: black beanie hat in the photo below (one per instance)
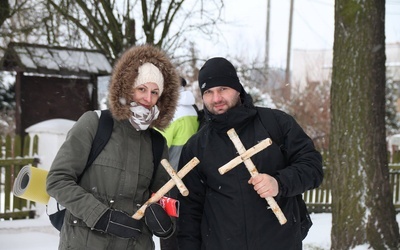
(218, 71)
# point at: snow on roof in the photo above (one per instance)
(35, 58)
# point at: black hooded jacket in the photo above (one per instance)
(224, 211)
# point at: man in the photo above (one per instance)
(184, 124)
(230, 211)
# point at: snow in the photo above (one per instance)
(38, 234)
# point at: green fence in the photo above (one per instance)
(14, 154)
(319, 200)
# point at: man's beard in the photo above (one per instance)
(236, 103)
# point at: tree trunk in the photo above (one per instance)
(362, 207)
(4, 11)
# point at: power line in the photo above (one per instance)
(329, 3)
(311, 28)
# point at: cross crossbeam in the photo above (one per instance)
(168, 186)
(244, 156)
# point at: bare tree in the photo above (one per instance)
(22, 22)
(110, 26)
(4, 11)
(362, 207)
(310, 107)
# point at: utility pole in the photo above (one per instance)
(266, 58)
(286, 88)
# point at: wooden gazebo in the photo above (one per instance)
(53, 82)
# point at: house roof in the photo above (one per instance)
(65, 61)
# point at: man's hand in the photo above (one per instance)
(265, 185)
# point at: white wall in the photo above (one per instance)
(52, 134)
(316, 65)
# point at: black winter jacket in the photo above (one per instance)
(223, 211)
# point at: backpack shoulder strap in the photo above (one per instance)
(270, 123)
(157, 143)
(103, 134)
(200, 116)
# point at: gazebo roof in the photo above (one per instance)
(64, 61)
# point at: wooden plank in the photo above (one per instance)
(17, 148)
(35, 145)
(18, 161)
(26, 146)
(18, 215)
(1, 146)
(9, 153)
(7, 189)
(2, 177)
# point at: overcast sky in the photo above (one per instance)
(313, 27)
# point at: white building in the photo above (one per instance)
(316, 65)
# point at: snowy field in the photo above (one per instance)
(38, 234)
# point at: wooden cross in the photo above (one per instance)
(175, 180)
(244, 156)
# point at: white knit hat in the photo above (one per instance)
(150, 73)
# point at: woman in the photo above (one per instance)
(143, 94)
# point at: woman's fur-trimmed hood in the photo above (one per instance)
(123, 78)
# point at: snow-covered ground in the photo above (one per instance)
(38, 234)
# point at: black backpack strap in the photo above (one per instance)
(157, 143)
(200, 116)
(196, 108)
(103, 134)
(269, 122)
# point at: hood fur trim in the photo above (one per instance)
(123, 78)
